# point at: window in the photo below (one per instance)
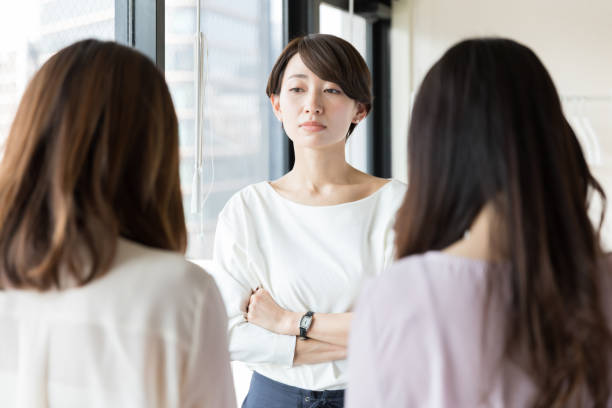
(241, 139)
(32, 30)
(241, 41)
(352, 28)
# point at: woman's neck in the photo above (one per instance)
(318, 169)
(476, 244)
(323, 177)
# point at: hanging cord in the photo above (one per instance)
(201, 63)
(351, 19)
(196, 190)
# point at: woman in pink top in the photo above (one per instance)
(499, 296)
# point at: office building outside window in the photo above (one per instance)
(33, 30)
(351, 28)
(241, 40)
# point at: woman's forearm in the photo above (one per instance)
(327, 327)
(263, 311)
(313, 351)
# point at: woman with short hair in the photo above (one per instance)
(500, 297)
(291, 254)
(98, 307)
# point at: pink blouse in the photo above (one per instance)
(421, 338)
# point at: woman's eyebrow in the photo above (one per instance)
(298, 76)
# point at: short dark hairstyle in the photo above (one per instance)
(487, 127)
(332, 59)
(92, 155)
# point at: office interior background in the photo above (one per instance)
(229, 137)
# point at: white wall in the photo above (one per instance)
(573, 39)
(401, 84)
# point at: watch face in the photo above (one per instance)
(305, 322)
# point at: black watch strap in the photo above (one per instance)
(305, 323)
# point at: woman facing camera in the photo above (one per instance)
(291, 254)
(501, 295)
(98, 307)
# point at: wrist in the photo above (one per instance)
(291, 323)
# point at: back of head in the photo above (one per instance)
(92, 155)
(487, 127)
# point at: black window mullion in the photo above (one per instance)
(379, 131)
(123, 21)
(378, 16)
(140, 24)
(299, 18)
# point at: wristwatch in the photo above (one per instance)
(305, 323)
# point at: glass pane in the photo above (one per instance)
(32, 30)
(353, 28)
(242, 40)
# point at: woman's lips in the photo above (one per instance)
(312, 126)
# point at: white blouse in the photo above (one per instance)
(149, 333)
(309, 258)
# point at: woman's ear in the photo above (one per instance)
(275, 102)
(360, 114)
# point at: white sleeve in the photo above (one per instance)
(234, 275)
(389, 248)
(389, 244)
(208, 382)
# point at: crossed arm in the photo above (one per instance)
(327, 336)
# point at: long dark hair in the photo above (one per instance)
(487, 127)
(92, 155)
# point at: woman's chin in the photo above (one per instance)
(317, 142)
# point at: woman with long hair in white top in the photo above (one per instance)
(98, 307)
(501, 297)
(291, 254)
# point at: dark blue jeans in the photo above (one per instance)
(267, 393)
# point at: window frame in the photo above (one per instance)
(378, 18)
(141, 24)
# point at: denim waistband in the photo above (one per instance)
(288, 389)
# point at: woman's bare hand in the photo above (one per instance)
(263, 311)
